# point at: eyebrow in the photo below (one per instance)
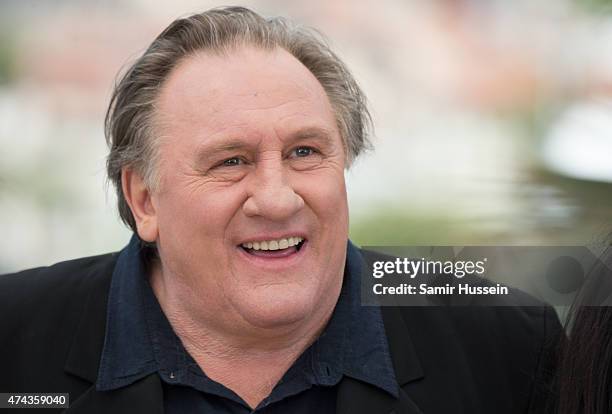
(209, 151)
(322, 134)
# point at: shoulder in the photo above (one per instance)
(507, 334)
(62, 277)
(516, 312)
(501, 325)
(42, 309)
(502, 357)
(47, 292)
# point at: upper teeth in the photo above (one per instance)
(273, 244)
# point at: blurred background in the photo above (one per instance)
(493, 118)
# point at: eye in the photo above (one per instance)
(231, 162)
(302, 152)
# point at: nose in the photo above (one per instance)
(270, 195)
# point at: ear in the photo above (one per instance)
(139, 199)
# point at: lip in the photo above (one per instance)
(275, 263)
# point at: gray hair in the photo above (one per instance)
(128, 124)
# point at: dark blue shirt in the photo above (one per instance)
(140, 341)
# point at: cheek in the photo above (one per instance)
(192, 235)
(325, 194)
(198, 215)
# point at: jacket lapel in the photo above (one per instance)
(84, 355)
(356, 397)
(144, 396)
(403, 355)
(86, 349)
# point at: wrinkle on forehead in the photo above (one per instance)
(208, 93)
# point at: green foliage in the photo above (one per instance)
(388, 227)
(596, 6)
(8, 51)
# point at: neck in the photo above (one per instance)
(251, 360)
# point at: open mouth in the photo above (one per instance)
(274, 248)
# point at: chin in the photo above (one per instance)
(276, 308)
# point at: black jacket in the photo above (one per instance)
(446, 359)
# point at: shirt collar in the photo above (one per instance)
(127, 354)
(354, 342)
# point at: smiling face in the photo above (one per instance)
(251, 217)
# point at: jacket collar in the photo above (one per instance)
(356, 397)
(86, 348)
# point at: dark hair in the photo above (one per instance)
(583, 376)
(129, 128)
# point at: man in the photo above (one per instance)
(239, 291)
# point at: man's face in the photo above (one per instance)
(250, 155)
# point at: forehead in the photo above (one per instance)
(244, 88)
